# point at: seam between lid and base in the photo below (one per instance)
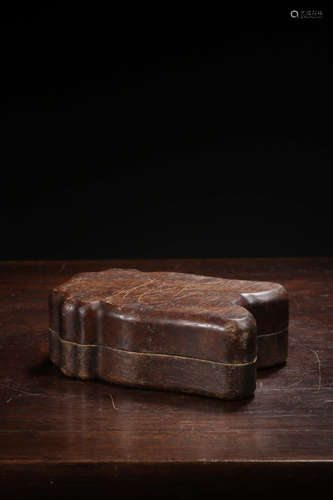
(145, 353)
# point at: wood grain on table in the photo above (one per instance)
(63, 436)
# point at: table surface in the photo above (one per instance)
(60, 434)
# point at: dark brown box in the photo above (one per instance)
(169, 331)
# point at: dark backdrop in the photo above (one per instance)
(155, 132)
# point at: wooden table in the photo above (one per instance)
(65, 437)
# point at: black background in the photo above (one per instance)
(155, 132)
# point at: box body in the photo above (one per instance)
(168, 331)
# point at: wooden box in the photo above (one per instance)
(170, 331)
